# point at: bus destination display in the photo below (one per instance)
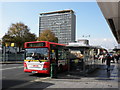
(40, 44)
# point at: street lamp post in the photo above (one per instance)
(15, 48)
(4, 53)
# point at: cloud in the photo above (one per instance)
(105, 42)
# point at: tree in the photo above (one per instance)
(18, 33)
(47, 35)
(7, 39)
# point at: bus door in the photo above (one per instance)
(54, 56)
(54, 62)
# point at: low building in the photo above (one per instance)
(83, 41)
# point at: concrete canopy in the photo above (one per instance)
(111, 12)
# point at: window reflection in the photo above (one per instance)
(37, 54)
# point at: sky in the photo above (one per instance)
(89, 19)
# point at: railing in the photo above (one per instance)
(12, 57)
(0, 55)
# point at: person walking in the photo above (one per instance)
(108, 61)
(102, 58)
(117, 57)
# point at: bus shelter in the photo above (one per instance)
(83, 59)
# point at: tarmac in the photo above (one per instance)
(11, 62)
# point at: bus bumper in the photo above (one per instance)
(37, 71)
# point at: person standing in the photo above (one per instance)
(108, 62)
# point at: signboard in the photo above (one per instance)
(12, 44)
(40, 44)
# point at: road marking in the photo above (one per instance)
(12, 68)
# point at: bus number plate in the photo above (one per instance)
(34, 72)
(35, 65)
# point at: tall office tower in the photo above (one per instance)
(61, 23)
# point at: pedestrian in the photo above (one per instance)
(108, 60)
(102, 58)
(117, 57)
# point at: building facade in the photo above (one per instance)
(61, 23)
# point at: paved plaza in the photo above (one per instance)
(100, 78)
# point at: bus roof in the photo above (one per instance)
(47, 42)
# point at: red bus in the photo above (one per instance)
(39, 55)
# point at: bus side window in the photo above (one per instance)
(61, 54)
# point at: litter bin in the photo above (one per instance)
(53, 73)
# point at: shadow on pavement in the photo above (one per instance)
(10, 85)
(100, 73)
(38, 85)
(39, 75)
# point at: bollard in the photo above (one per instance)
(53, 73)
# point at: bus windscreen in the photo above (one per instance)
(37, 54)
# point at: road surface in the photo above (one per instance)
(14, 77)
